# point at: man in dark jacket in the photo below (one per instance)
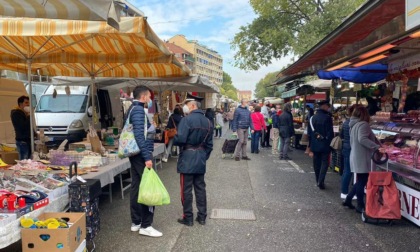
(195, 138)
(144, 131)
(321, 133)
(275, 130)
(241, 122)
(22, 123)
(286, 130)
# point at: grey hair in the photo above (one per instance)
(287, 107)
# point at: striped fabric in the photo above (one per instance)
(85, 48)
(94, 10)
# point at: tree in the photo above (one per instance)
(227, 88)
(287, 26)
(263, 89)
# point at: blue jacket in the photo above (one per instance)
(275, 119)
(345, 134)
(195, 137)
(323, 124)
(137, 118)
(242, 119)
(285, 125)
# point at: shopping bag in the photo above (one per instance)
(127, 144)
(152, 192)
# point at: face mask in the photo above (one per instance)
(27, 109)
(186, 109)
(150, 104)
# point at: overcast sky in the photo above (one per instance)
(213, 23)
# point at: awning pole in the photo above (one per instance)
(31, 114)
(92, 92)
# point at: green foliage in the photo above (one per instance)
(287, 26)
(227, 88)
(262, 88)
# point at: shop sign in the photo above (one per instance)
(410, 203)
(408, 63)
(412, 14)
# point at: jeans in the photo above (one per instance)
(321, 166)
(218, 132)
(255, 141)
(347, 174)
(169, 148)
(23, 149)
(284, 146)
(358, 189)
(241, 146)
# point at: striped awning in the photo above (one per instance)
(94, 10)
(85, 48)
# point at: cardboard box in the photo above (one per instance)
(60, 240)
(82, 247)
(9, 157)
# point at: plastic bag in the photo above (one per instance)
(152, 192)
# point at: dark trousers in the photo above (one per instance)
(265, 141)
(255, 141)
(139, 213)
(358, 189)
(187, 183)
(218, 132)
(321, 166)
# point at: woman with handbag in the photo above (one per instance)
(170, 131)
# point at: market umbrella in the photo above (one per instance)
(85, 48)
(364, 74)
(94, 10)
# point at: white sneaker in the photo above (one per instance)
(344, 196)
(150, 231)
(134, 227)
(165, 160)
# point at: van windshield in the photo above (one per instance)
(62, 104)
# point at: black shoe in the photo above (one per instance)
(269, 146)
(237, 159)
(262, 146)
(257, 152)
(200, 221)
(287, 158)
(348, 204)
(281, 157)
(359, 209)
(321, 186)
(185, 222)
(246, 158)
(252, 151)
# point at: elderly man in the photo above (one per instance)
(195, 137)
(241, 122)
(321, 133)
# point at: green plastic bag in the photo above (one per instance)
(152, 192)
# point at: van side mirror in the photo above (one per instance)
(90, 111)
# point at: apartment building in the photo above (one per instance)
(245, 94)
(207, 62)
(182, 55)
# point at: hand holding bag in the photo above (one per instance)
(127, 144)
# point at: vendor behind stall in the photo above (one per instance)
(21, 122)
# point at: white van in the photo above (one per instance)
(67, 115)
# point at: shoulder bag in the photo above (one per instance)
(127, 144)
(336, 143)
(170, 133)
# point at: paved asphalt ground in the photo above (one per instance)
(292, 214)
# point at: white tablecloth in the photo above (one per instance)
(10, 233)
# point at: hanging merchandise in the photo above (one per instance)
(403, 93)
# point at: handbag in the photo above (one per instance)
(170, 133)
(127, 144)
(336, 143)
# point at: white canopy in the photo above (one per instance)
(183, 84)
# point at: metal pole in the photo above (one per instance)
(92, 92)
(31, 114)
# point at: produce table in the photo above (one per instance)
(10, 233)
